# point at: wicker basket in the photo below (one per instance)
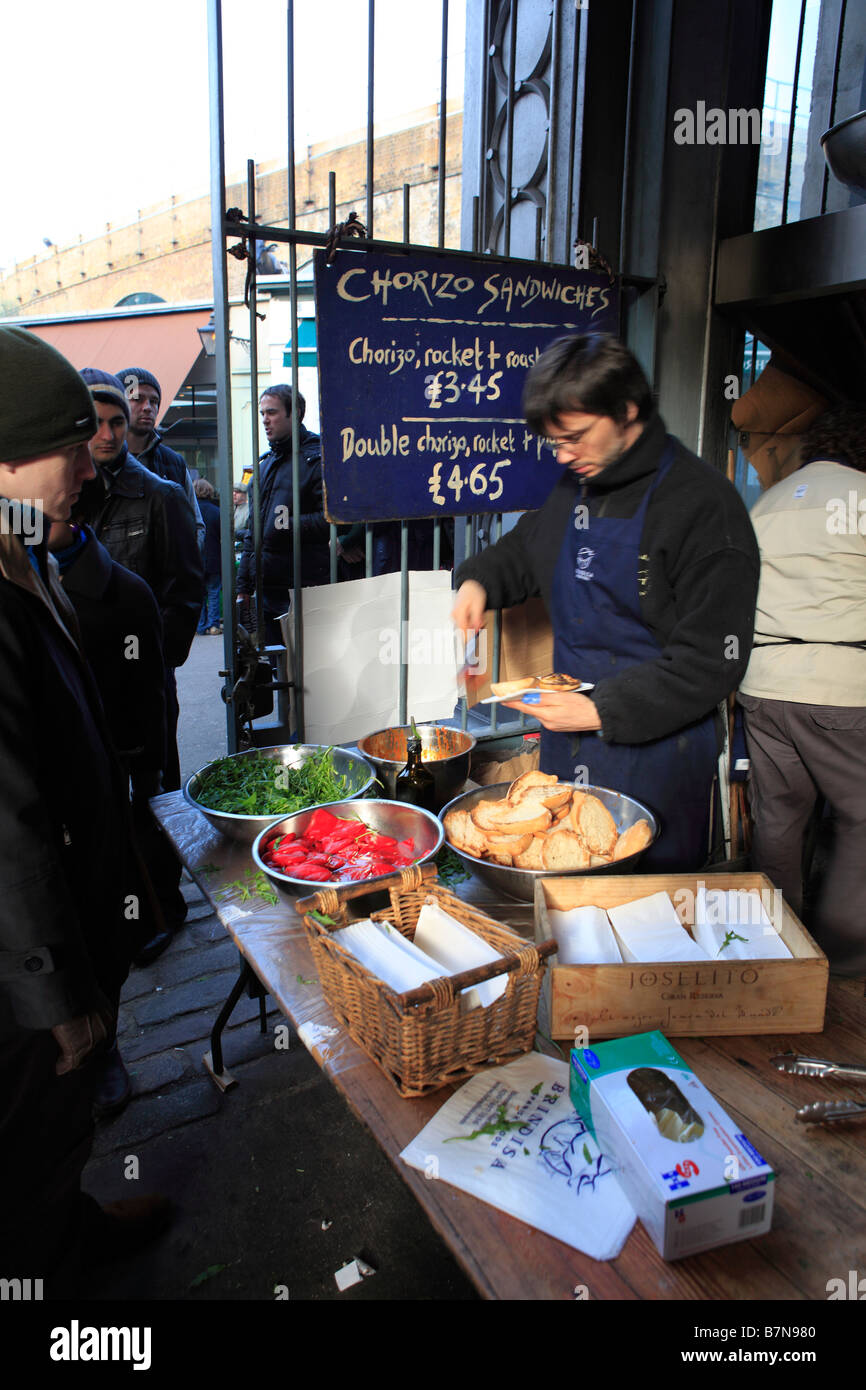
(424, 1039)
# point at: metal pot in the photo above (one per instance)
(448, 753)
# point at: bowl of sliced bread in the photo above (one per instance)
(512, 833)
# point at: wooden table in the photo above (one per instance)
(820, 1206)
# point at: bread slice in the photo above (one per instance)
(562, 849)
(577, 799)
(553, 796)
(508, 844)
(531, 858)
(495, 856)
(596, 826)
(512, 687)
(530, 779)
(636, 838)
(502, 817)
(462, 832)
(556, 681)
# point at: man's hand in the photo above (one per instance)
(561, 713)
(353, 556)
(470, 606)
(78, 1039)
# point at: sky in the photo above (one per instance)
(110, 103)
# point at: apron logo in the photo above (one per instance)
(584, 560)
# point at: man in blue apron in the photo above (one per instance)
(648, 565)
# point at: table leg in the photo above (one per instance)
(213, 1060)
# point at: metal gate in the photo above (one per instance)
(520, 164)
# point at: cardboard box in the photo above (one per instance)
(525, 648)
(695, 999)
(694, 1180)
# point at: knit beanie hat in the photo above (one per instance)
(105, 387)
(44, 404)
(133, 377)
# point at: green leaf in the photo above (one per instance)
(321, 917)
(492, 1127)
(450, 867)
(301, 981)
(536, 1090)
(729, 937)
(209, 1273)
(587, 1155)
(262, 786)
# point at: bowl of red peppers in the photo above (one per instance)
(346, 842)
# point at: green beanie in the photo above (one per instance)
(44, 404)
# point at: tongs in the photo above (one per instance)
(829, 1111)
(793, 1063)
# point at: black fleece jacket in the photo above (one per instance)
(276, 507)
(697, 572)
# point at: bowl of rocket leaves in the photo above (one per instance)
(243, 793)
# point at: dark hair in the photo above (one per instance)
(839, 433)
(592, 372)
(284, 393)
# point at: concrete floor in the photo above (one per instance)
(275, 1182)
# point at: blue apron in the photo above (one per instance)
(599, 632)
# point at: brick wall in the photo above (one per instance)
(168, 250)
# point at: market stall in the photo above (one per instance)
(817, 1169)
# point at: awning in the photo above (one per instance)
(167, 344)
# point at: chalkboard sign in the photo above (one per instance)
(422, 360)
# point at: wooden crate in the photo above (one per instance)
(694, 999)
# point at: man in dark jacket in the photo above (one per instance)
(647, 562)
(275, 486)
(65, 849)
(121, 636)
(144, 394)
(146, 525)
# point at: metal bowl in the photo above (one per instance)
(388, 817)
(245, 829)
(844, 146)
(520, 883)
(449, 760)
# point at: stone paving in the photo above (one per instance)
(276, 1184)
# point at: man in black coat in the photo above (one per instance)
(276, 504)
(146, 525)
(121, 636)
(144, 394)
(65, 848)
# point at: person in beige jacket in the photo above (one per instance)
(804, 693)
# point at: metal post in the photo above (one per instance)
(371, 47)
(509, 138)
(404, 623)
(443, 98)
(297, 604)
(553, 127)
(221, 360)
(790, 147)
(254, 407)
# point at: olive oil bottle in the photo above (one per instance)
(415, 784)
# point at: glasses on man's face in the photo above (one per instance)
(570, 442)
